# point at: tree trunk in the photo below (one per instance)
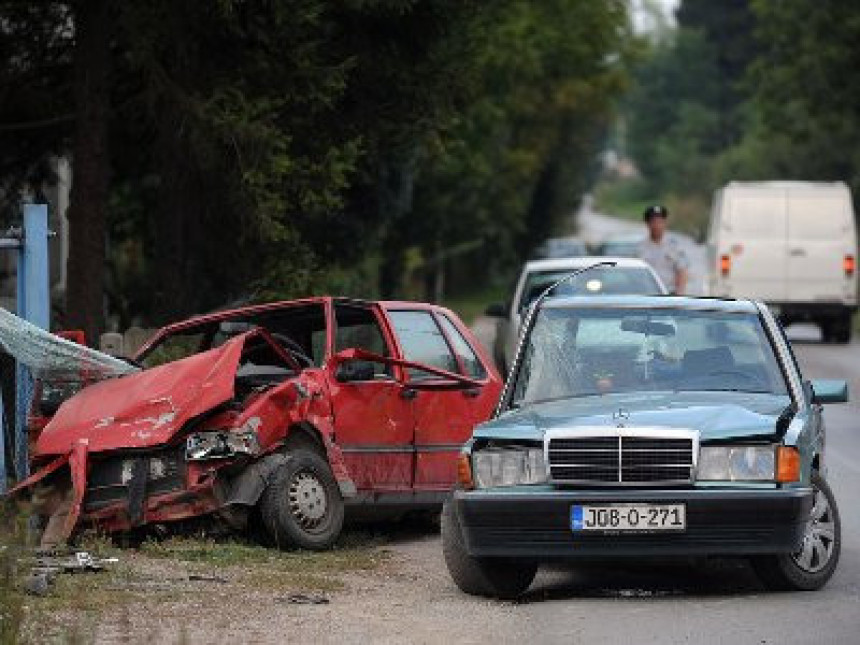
(90, 168)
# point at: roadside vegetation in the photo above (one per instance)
(738, 90)
(322, 147)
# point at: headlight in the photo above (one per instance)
(220, 444)
(736, 463)
(508, 467)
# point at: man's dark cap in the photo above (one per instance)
(655, 211)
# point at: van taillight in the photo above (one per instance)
(725, 264)
(849, 264)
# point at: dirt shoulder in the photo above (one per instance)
(374, 588)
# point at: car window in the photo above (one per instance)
(297, 328)
(422, 342)
(176, 346)
(583, 352)
(471, 364)
(357, 327)
(598, 281)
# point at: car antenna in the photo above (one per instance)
(529, 322)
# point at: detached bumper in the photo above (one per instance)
(536, 524)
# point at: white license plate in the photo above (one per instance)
(628, 517)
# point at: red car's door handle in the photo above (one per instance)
(408, 393)
(472, 392)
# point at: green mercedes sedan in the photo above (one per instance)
(635, 426)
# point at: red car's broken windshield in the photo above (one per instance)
(301, 330)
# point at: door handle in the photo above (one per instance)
(408, 393)
(472, 392)
(795, 253)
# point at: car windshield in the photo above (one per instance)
(575, 352)
(620, 248)
(301, 329)
(597, 281)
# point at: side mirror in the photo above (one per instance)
(496, 310)
(829, 391)
(354, 370)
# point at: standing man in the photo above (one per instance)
(663, 252)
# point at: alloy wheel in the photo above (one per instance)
(816, 549)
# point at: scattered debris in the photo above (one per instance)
(304, 599)
(198, 577)
(49, 565)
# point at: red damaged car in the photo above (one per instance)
(287, 412)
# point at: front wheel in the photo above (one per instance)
(302, 507)
(812, 565)
(490, 577)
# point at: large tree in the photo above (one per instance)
(91, 20)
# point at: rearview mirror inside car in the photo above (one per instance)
(648, 327)
(829, 391)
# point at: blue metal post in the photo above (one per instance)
(3, 473)
(34, 306)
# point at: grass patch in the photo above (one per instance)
(179, 570)
(624, 198)
(270, 568)
(470, 305)
(628, 199)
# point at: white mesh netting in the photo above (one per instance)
(50, 357)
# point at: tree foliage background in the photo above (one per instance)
(232, 149)
(746, 90)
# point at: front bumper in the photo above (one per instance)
(536, 524)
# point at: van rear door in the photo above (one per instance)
(754, 239)
(820, 235)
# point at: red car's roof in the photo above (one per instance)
(215, 316)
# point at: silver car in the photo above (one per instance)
(630, 276)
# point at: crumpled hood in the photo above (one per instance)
(717, 416)
(146, 408)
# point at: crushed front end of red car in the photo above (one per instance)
(168, 443)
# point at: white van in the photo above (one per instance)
(792, 244)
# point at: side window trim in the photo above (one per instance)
(460, 362)
(391, 345)
(432, 315)
(461, 365)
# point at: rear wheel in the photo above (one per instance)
(836, 330)
(812, 565)
(490, 577)
(842, 330)
(302, 507)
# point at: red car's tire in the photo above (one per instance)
(302, 506)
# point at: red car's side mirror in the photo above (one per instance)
(445, 379)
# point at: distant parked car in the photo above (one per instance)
(630, 276)
(560, 247)
(621, 246)
(639, 426)
(792, 244)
